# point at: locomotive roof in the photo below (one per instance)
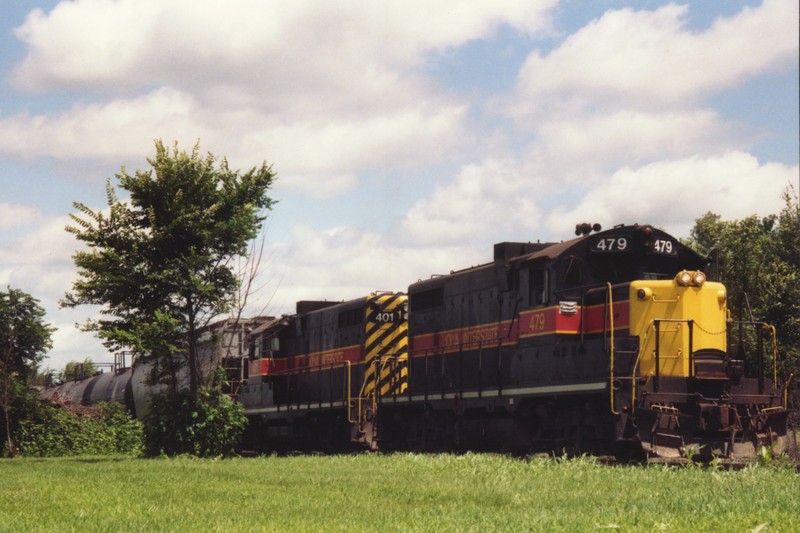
(509, 253)
(579, 245)
(550, 252)
(269, 324)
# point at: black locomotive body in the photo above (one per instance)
(613, 342)
(316, 376)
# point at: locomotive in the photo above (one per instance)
(614, 342)
(611, 343)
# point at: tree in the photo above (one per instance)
(76, 371)
(161, 262)
(760, 258)
(24, 340)
(784, 310)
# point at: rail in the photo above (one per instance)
(289, 398)
(655, 325)
(428, 365)
(760, 328)
(379, 364)
(457, 348)
(636, 366)
(610, 303)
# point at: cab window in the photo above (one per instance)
(539, 286)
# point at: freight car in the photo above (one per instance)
(221, 344)
(128, 386)
(613, 342)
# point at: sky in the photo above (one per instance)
(408, 136)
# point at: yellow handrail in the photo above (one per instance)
(774, 353)
(636, 365)
(611, 347)
(349, 396)
(666, 300)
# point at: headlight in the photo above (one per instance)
(690, 279)
(699, 278)
(644, 293)
(722, 295)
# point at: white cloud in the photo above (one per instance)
(348, 262)
(12, 216)
(578, 151)
(317, 154)
(647, 59)
(322, 89)
(72, 344)
(338, 81)
(39, 262)
(483, 201)
(110, 131)
(102, 42)
(673, 193)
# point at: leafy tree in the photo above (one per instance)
(24, 340)
(758, 259)
(784, 309)
(75, 371)
(161, 262)
(207, 424)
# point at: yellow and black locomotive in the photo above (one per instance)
(613, 342)
(316, 377)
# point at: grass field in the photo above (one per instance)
(389, 493)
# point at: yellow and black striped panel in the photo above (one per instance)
(386, 345)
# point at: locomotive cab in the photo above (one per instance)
(692, 397)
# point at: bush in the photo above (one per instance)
(206, 425)
(51, 431)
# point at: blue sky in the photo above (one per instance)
(408, 136)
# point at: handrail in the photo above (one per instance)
(655, 325)
(760, 328)
(774, 332)
(636, 365)
(379, 362)
(611, 346)
(349, 396)
(666, 300)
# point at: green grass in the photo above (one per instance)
(401, 492)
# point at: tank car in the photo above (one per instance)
(613, 342)
(128, 386)
(220, 344)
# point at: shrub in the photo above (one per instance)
(206, 425)
(51, 431)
